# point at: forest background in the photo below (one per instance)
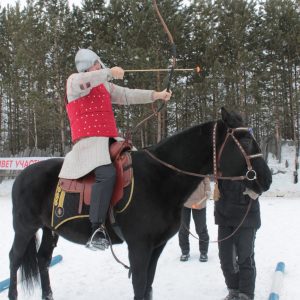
(248, 51)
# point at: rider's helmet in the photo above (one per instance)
(86, 58)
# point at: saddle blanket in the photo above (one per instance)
(66, 204)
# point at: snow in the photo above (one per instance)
(85, 274)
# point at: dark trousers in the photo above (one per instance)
(199, 217)
(237, 258)
(101, 194)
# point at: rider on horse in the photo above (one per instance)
(89, 98)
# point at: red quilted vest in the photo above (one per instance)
(92, 115)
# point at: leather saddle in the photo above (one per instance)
(121, 158)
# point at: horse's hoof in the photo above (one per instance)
(149, 295)
(13, 296)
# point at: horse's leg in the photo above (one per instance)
(18, 249)
(151, 270)
(139, 257)
(49, 241)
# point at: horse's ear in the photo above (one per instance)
(231, 119)
(224, 114)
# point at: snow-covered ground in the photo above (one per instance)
(84, 274)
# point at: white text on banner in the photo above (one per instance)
(14, 163)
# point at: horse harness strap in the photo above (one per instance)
(173, 167)
(116, 258)
(227, 237)
(82, 186)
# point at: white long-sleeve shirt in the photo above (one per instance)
(92, 152)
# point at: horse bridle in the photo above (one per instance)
(251, 173)
(216, 158)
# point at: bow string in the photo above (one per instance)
(173, 49)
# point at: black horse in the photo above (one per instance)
(152, 217)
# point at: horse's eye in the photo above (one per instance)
(246, 143)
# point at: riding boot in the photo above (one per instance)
(101, 194)
(102, 191)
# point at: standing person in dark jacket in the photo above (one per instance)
(195, 205)
(237, 252)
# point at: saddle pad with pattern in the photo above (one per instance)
(65, 206)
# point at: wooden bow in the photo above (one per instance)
(173, 46)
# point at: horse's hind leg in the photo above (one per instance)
(20, 245)
(44, 255)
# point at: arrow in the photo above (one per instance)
(197, 70)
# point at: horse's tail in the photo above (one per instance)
(29, 264)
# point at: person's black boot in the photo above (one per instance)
(203, 257)
(98, 240)
(184, 257)
(232, 295)
(243, 296)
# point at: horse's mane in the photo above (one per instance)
(232, 120)
(200, 128)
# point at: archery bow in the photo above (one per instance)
(173, 46)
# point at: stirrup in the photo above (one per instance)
(100, 243)
(102, 230)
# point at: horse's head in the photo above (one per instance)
(240, 154)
